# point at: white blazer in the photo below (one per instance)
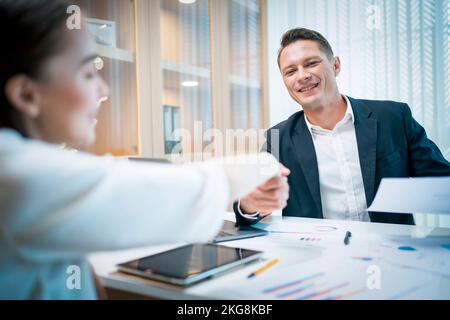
(56, 206)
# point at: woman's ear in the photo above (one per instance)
(21, 92)
(336, 66)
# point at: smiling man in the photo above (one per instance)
(338, 148)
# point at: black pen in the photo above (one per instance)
(347, 237)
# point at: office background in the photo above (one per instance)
(171, 63)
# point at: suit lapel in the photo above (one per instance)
(366, 137)
(306, 156)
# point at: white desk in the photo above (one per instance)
(288, 251)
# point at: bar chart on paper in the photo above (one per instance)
(321, 267)
(321, 235)
(311, 287)
(346, 279)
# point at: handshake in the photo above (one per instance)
(259, 181)
(267, 197)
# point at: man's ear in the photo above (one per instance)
(21, 92)
(336, 66)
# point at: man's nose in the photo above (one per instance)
(303, 75)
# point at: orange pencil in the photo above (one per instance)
(263, 268)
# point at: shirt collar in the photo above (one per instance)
(347, 116)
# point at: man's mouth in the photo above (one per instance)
(308, 87)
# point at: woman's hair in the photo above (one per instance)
(32, 31)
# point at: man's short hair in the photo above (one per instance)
(297, 34)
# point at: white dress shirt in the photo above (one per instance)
(340, 178)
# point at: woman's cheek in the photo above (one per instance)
(82, 129)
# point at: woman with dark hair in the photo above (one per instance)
(57, 206)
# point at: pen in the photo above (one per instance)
(263, 268)
(347, 237)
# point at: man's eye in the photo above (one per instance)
(290, 72)
(314, 63)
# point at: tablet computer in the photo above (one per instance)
(190, 263)
(230, 232)
(150, 160)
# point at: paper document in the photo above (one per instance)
(413, 195)
(334, 277)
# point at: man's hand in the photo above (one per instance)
(270, 196)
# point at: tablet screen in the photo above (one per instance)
(189, 260)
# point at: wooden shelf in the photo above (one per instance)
(206, 73)
(186, 69)
(244, 82)
(115, 53)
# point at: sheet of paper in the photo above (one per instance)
(372, 266)
(335, 278)
(429, 255)
(283, 227)
(413, 195)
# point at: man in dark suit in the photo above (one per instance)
(338, 148)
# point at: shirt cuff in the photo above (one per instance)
(248, 216)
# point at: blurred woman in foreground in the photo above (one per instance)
(57, 206)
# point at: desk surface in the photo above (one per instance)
(298, 257)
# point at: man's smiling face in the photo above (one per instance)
(308, 74)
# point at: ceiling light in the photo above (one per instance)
(190, 83)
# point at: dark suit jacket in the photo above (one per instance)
(390, 144)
